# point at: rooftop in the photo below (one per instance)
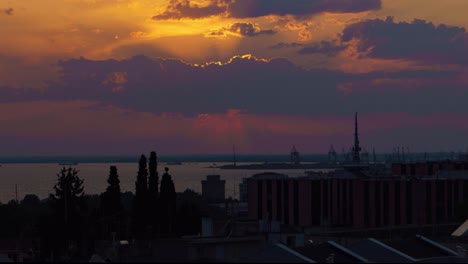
(277, 253)
(417, 248)
(323, 252)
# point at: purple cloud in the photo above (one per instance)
(329, 48)
(257, 86)
(256, 8)
(178, 9)
(284, 45)
(418, 40)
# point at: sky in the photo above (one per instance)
(118, 77)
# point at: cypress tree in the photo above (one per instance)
(153, 190)
(153, 175)
(68, 202)
(167, 203)
(141, 198)
(141, 184)
(111, 200)
(69, 193)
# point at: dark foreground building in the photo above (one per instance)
(356, 202)
(213, 188)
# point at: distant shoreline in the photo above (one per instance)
(226, 158)
(162, 159)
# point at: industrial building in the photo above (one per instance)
(358, 197)
(429, 169)
(356, 202)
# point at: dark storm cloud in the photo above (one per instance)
(243, 29)
(256, 8)
(418, 40)
(329, 48)
(257, 86)
(178, 9)
(167, 85)
(7, 11)
(284, 45)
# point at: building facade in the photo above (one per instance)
(356, 202)
(244, 186)
(425, 169)
(213, 188)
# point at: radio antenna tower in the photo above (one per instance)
(234, 155)
(356, 149)
(373, 155)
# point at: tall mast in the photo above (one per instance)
(234, 155)
(295, 157)
(356, 148)
(373, 154)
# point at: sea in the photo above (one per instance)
(20, 176)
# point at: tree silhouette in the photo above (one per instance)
(69, 192)
(69, 204)
(190, 206)
(140, 207)
(111, 204)
(167, 203)
(153, 175)
(153, 191)
(31, 200)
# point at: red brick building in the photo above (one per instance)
(424, 169)
(356, 202)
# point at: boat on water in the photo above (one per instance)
(174, 163)
(280, 166)
(68, 164)
(294, 164)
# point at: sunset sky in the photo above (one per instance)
(97, 77)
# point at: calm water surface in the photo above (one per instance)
(39, 178)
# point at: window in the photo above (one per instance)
(449, 197)
(377, 203)
(279, 200)
(296, 202)
(260, 199)
(315, 202)
(351, 201)
(324, 185)
(397, 203)
(440, 201)
(367, 204)
(409, 202)
(386, 205)
(344, 199)
(286, 202)
(429, 204)
(269, 200)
